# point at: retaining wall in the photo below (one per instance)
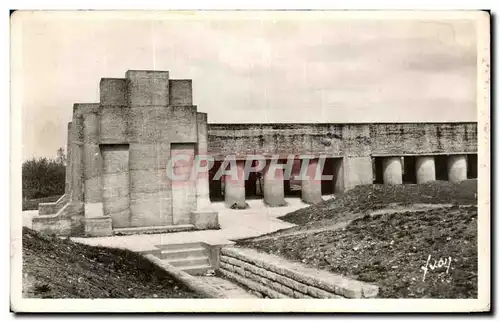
(271, 276)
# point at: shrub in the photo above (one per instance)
(42, 178)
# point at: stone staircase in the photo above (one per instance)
(192, 258)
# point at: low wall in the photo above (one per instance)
(50, 208)
(66, 222)
(273, 277)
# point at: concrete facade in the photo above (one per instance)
(353, 147)
(123, 150)
(119, 154)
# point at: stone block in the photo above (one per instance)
(147, 88)
(114, 125)
(182, 124)
(98, 226)
(240, 271)
(292, 283)
(52, 225)
(181, 92)
(94, 210)
(227, 266)
(205, 219)
(113, 91)
(286, 290)
(234, 261)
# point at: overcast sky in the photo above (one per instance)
(272, 69)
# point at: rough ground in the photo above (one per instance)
(366, 198)
(389, 249)
(59, 268)
(32, 204)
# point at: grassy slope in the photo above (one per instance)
(60, 268)
(389, 249)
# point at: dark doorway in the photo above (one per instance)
(293, 187)
(251, 191)
(440, 162)
(378, 170)
(471, 166)
(409, 173)
(215, 186)
(328, 186)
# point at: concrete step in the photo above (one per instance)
(182, 253)
(179, 246)
(152, 230)
(197, 269)
(183, 263)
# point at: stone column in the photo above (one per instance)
(202, 184)
(425, 169)
(77, 157)
(234, 186)
(68, 180)
(393, 170)
(457, 168)
(339, 176)
(274, 189)
(311, 181)
(204, 217)
(92, 165)
(357, 171)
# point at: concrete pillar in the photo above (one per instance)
(457, 168)
(274, 189)
(393, 170)
(202, 184)
(68, 180)
(77, 157)
(425, 169)
(204, 217)
(338, 173)
(357, 171)
(92, 164)
(311, 181)
(234, 186)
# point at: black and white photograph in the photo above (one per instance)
(266, 159)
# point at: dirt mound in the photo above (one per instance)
(372, 197)
(59, 268)
(391, 249)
